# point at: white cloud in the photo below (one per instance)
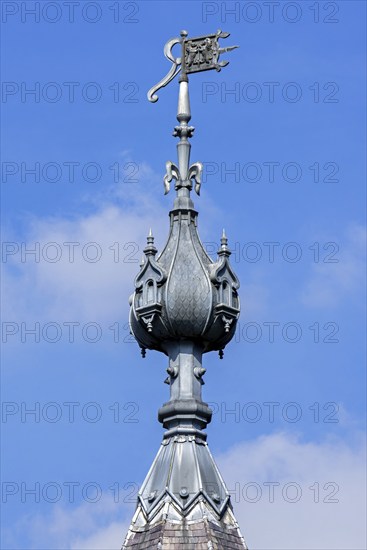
(106, 538)
(76, 287)
(89, 526)
(304, 524)
(332, 282)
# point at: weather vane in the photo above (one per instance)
(197, 55)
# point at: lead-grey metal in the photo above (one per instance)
(184, 305)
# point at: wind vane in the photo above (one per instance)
(198, 54)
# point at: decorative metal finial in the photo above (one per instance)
(224, 250)
(185, 305)
(150, 249)
(224, 240)
(197, 55)
(150, 238)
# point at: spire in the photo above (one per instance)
(185, 305)
(224, 250)
(150, 249)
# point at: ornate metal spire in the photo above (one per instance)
(184, 305)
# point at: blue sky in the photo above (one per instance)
(281, 133)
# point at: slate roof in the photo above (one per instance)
(169, 529)
(202, 535)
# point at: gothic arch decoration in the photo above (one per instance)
(146, 300)
(227, 284)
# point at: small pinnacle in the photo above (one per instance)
(224, 240)
(150, 238)
(184, 33)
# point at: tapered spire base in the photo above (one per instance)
(183, 503)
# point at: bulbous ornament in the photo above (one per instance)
(184, 294)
